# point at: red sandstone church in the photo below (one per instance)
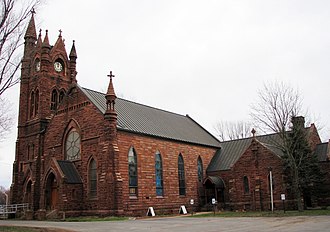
(90, 153)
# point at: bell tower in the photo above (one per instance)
(47, 73)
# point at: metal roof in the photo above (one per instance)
(70, 172)
(231, 151)
(138, 118)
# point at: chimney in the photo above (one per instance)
(298, 122)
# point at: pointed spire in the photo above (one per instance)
(46, 41)
(111, 91)
(59, 46)
(39, 41)
(110, 113)
(31, 29)
(73, 53)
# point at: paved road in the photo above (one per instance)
(210, 224)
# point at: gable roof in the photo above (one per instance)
(232, 150)
(138, 118)
(70, 172)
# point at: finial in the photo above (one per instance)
(33, 11)
(60, 33)
(40, 32)
(253, 132)
(111, 76)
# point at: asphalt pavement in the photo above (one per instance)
(176, 224)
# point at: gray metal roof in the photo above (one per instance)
(70, 172)
(232, 150)
(321, 151)
(138, 118)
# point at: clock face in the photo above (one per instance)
(38, 66)
(58, 66)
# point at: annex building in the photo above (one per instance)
(91, 153)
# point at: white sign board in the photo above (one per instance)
(213, 201)
(191, 201)
(151, 212)
(283, 197)
(183, 209)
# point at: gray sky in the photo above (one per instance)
(202, 58)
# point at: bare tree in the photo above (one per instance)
(4, 195)
(13, 21)
(278, 104)
(227, 130)
(6, 118)
(14, 16)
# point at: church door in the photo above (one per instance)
(51, 192)
(28, 194)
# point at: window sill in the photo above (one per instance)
(133, 197)
(159, 197)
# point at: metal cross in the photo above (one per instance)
(60, 32)
(111, 76)
(33, 11)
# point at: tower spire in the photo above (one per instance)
(110, 97)
(73, 58)
(31, 29)
(46, 41)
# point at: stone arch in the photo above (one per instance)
(54, 99)
(51, 190)
(92, 177)
(27, 197)
(71, 126)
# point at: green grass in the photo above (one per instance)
(93, 219)
(19, 229)
(266, 213)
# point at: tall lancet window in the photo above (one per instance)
(132, 170)
(182, 181)
(92, 175)
(159, 174)
(200, 169)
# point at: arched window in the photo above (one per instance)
(32, 104)
(36, 103)
(28, 152)
(200, 169)
(159, 174)
(73, 145)
(182, 182)
(92, 175)
(62, 93)
(132, 169)
(246, 184)
(53, 104)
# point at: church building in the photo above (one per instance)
(84, 152)
(90, 153)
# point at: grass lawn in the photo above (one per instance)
(93, 219)
(315, 212)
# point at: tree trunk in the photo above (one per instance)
(296, 189)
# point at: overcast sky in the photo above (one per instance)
(202, 58)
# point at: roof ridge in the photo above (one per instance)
(251, 137)
(123, 99)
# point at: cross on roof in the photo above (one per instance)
(110, 75)
(60, 32)
(33, 11)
